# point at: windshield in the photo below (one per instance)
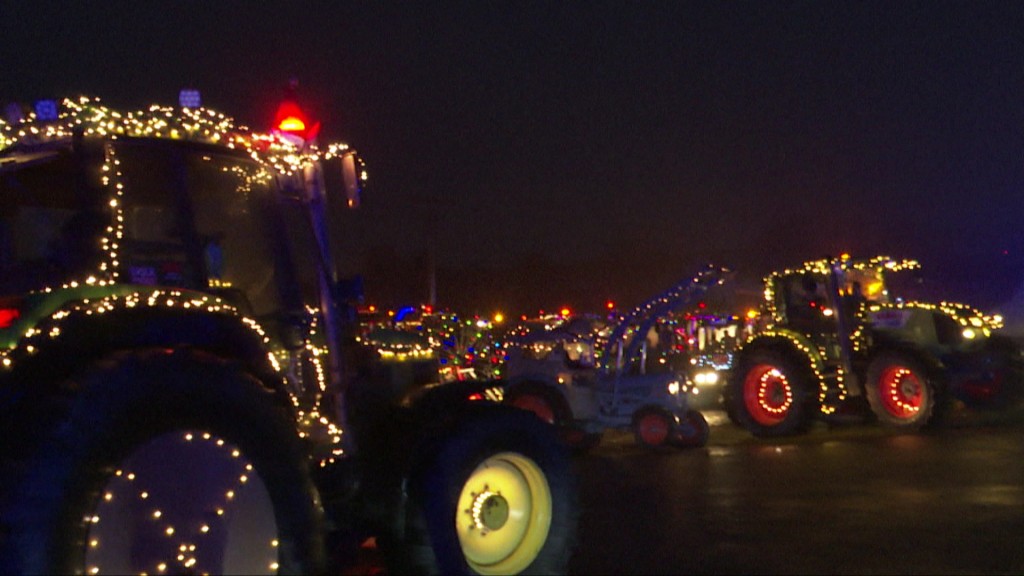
(51, 221)
(867, 284)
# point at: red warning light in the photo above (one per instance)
(8, 316)
(291, 120)
(10, 311)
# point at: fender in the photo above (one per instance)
(436, 400)
(81, 333)
(789, 338)
(883, 343)
(531, 377)
(800, 345)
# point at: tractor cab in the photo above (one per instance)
(837, 336)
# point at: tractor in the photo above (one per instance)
(182, 386)
(585, 381)
(834, 341)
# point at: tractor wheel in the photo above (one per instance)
(693, 430)
(655, 427)
(163, 462)
(772, 392)
(498, 497)
(540, 399)
(902, 393)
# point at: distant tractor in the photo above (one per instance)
(834, 340)
(703, 352)
(587, 381)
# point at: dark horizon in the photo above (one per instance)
(561, 154)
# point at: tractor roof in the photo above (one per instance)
(822, 266)
(201, 125)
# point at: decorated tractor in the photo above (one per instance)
(590, 379)
(835, 342)
(181, 385)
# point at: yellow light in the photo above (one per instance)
(292, 124)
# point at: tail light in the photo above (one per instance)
(10, 311)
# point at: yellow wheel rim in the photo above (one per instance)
(504, 514)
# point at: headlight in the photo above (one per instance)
(702, 378)
(673, 387)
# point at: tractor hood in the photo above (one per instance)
(946, 323)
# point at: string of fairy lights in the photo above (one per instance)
(183, 550)
(965, 315)
(88, 116)
(93, 119)
(273, 155)
(972, 321)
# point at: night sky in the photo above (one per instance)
(564, 153)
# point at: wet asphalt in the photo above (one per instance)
(852, 499)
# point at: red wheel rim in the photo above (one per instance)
(653, 429)
(537, 405)
(901, 391)
(767, 394)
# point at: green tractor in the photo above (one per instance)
(834, 342)
(182, 389)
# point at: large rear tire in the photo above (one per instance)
(772, 392)
(497, 498)
(902, 392)
(162, 462)
(694, 430)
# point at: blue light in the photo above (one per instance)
(46, 110)
(401, 314)
(189, 98)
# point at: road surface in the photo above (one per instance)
(851, 500)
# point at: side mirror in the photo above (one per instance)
(346, 174)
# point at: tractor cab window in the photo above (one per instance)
(868, 285)
(197, 220)
(154, 251)
(807, 303)
(51, 221)
(303, 249)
